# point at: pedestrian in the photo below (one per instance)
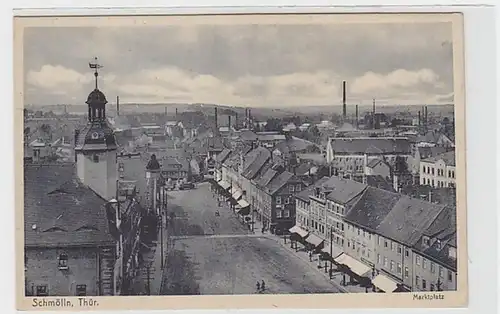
(263, 285)
(258, 286)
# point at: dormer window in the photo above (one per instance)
(427, 241)
(63, 261)
(438, 244)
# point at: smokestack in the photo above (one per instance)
(176, 112)
(229, 122)
(344, 108)
(236, 120)
(357, 116)
(216, 125)
(373, 109)
(117, 105)
(419, 118)
(249, 118)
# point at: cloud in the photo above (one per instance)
(399, 80)
(56, 78)
(242, 64)
(172, 84)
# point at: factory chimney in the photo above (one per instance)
(216, 124)
(229, 122)
(176, 113)
(236, 120)
(357, 117)
(419, 118)
(117, 105)
(249, 118)
(344, 108)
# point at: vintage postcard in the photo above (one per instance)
(245, 161)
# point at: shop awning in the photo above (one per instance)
(242, 203)
(385, 283)
(314, 239)
(356, 266)
(244, 211)
(326, 250)
(298, 230)
(224, 184)
(237, 194)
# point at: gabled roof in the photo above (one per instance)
(61, 211)
(448, 158)
(255, 160)
(372, 207)
(408, 219)
(342, 190)
(377, 181)
(304, 194)
(427, 152)
(374, 162)
(266, 178)
(364, 145)
(221, 157)
(278, 182)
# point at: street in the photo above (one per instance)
(209, 254)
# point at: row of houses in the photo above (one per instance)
(265, 182)
(393, 241)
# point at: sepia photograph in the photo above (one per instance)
(240, 157)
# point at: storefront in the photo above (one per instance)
(355, 269)
(314, 243)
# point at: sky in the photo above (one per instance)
(242, 65)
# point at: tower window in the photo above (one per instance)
(95, 158)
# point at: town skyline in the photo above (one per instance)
(242, 65)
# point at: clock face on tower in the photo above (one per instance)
(95, 135)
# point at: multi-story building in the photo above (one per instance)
(82, 224)
(68, 249)
(384, 231)
(350, 156)
(439, 171)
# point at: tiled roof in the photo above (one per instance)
(278, 182)
(426, 152)
(372, 207)
(221, 157)
(373, 163)
(304, 195)
(444, 229)
(342, 190)
(448, 158)
(295, 144)
(408, 219)
(64, 211)
(303, 169)
(254, 161)
(266, 178)
(377, 181)
(371, 145)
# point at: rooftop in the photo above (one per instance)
(61, 211)
(448, 158)
(377, 145)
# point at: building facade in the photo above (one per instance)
(439, 171)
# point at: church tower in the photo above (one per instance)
(95, 146)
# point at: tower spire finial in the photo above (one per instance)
(95, 66)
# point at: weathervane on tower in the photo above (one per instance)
(95, 66)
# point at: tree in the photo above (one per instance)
(273, 124)
(400, 165)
